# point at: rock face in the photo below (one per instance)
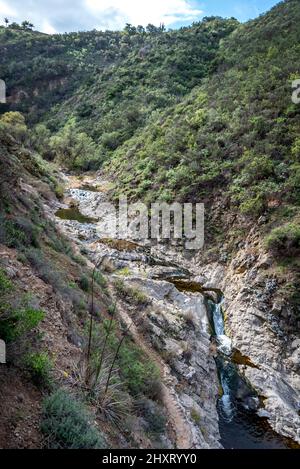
(177, 328)
(173, 328)
(258, 320)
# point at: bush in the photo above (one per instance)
(285, 240)
(141, 375)
(100, 279)
(39, 366)
(5, 283)
(130, 294)
(44, 269)
(73, 148)
(18, 232)
(19, 322)
(195, 416)
(84, 283)
(68, 425)
(154, 416)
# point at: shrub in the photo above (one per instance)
(5, 283)
(84, 283)
(39, 366)
(138, 298)
(18, 232)
(195, 416)
(13, 123)
(112, 309)
(154, 416)
(284, 241)
(125, 272)
(67, 424)
(10, 235)
(19, 322)
(130, 294)
(100, 279)
(296, 149)
(141, 375)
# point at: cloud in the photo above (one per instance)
(144, 12)
(74, 15)
(6, 10)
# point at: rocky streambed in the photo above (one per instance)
(213, 402)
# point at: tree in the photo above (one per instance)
(73, 149)
(39, 138)
(140, 29)
(14, 25)
(13, 123)
(130, 30)
(27, 25)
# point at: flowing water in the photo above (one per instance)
(240, 426)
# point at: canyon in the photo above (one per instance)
(179, 326)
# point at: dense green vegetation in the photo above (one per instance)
(39, 366)
(107, 85)
(188, 114)
(284, 241)
(68, 425)
(203, 113)
(236, 135)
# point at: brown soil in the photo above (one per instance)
(20, 411)
(20, 400)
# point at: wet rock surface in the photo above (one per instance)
(255, 321)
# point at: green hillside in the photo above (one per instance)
(199, 114)
(106, 84)
(237, 134)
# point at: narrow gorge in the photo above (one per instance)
(186, 336)
(209, 377)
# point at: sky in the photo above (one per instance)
(51, 16)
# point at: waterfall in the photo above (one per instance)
(224, 342)
(218, 319)
(226, 403)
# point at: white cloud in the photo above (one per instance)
(6, 10)
(144, 12)
(48, 28)
(74, 15)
